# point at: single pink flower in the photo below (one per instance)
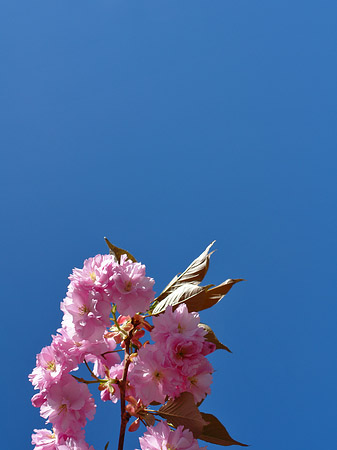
(48, 369)
(68, 405)
(48, 440)
(161, 437)
(177, 322)
(133, 291)
(181, 351)
(151, 379)
(96, 274)
(44, 440)
(74, 351)
(86, 314)
(198, 379)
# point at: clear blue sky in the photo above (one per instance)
(164, 125)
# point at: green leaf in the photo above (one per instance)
(210, 337)
(215, 433)
(118, 252)
(194, 273)
(106, 446)
(183, 411)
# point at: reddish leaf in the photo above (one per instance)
(178, 296)
(197, 298)
(148, 419)
(118, 252)
(215, 433)
(183, 411)
(210, 337)
(194, 273)
(210, 297)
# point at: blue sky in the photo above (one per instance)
(164, 125)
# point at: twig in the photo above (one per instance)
(82, 380)
(92, 373)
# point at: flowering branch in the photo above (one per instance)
(169, 369)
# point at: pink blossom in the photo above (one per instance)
(133, 291)
(86, 314)
(68, 405)
(74, 351)
(151, 379)
(179, 322)
(48, 369)
(182, 351)
(198, 379)
(183, 346)
(39, 399)
(48, 440)
(199, 385)
(44, 440)
(96, 274)
(72, 444)
(106, 359)
(161, 437)
(208, 347)
(110, 389)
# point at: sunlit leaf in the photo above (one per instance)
(206, 299)
(215, 433)
(196, 298)
(183, 411)
(178, 296)
(210, 337)
(194, 273)
(118, 252)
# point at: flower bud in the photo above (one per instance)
(130, 409)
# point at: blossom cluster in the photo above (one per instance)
(175, 361)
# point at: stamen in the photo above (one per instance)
(193, 380)
(51, 366)
(128, 286)
(157, 375)
(83, 310)
(62, 408)
(93, 276)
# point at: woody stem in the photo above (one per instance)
(122, 388)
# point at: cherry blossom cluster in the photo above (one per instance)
(176, 362)
(108, 304)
